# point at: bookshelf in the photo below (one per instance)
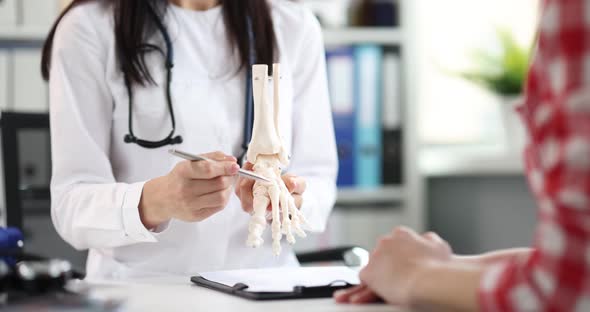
(334, 36)
(406, 201)
(27, 34)
(356, 35)
(386, 37)
(386, 195)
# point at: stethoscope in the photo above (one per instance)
(171, 139)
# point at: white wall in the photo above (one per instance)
(451, 109)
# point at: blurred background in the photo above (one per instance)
(423, 95)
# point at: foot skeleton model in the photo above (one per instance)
(267, 153)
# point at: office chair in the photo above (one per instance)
(27, 173)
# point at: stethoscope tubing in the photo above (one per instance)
(170, 139)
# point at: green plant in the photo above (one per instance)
(504, 72)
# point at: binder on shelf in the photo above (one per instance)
(392, 120)
(279, 283)
(368, 61)
(37, 13)
(30, 91)
(4, 73)
(340, 65)
(8, 13)
(383, 13)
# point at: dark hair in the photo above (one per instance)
(133, 24)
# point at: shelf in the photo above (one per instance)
(337, 36)
(357, 35)
(23, 33)
(379, 196)
(469, 161)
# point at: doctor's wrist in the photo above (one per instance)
(152, 211)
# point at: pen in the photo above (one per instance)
(242, 172)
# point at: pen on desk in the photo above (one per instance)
(242, 172)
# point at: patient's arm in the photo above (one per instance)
(493, 257)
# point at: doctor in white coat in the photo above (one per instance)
(130, 79)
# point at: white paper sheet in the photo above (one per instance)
(283, 279)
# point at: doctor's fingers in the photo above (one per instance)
(244, 192)
(244, 185)
(199, 214)
(206, 169)
(295, 184)
(220, 156)
(298, 198)
(200, 207)
(201, 187)
(215, 200)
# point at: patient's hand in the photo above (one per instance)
(356, 295)
(363, 294)
(397, 261)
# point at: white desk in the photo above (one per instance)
(178, 294)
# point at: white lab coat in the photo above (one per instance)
(98, 179)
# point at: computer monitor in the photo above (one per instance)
(26, 157)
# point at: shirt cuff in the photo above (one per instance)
(310, 210)
(160, 228)
(491, 287)
(132, 224)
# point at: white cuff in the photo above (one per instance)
(309, 208)
(160, 228)
(132, 224)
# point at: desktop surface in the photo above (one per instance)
(173, 293)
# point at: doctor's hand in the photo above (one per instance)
(192, 191)
(295, 184)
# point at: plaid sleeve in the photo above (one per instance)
(556, 112)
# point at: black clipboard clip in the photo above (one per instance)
(321, 291)
(239, 287)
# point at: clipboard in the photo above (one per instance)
(299, 292)
(279, 283)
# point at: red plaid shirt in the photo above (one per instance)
(556, 112)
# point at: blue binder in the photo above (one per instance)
(368, 147)
(340, 63)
